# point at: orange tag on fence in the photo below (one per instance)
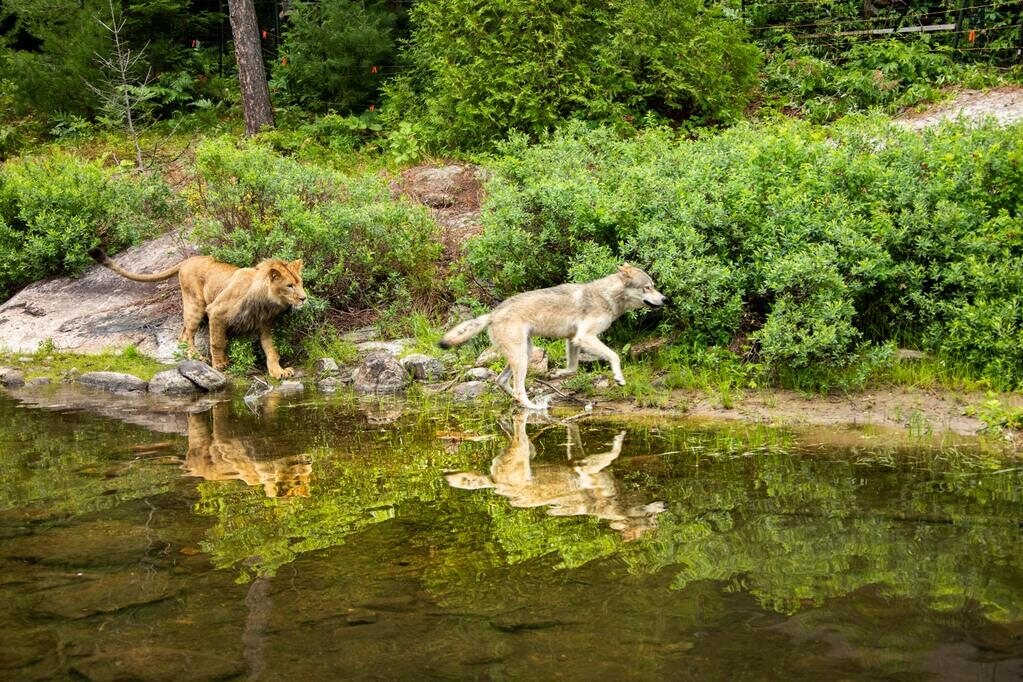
(264, 35)
(973, 35)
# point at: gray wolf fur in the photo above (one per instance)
(577, 313)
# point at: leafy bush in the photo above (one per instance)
(801, 243)
(888, 75)
(474, 78)
(53, 209)
(361, 247)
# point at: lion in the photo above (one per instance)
(242, 300)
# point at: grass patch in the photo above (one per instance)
(55, 365)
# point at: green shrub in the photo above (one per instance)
(885, 74)
(479, 70)
(797, 242)
(53, 209)
(362, 248)
(330, 50)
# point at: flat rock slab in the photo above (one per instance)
(202, 375)
(113, 382)
(102, 310)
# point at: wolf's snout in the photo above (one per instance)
(655, 301)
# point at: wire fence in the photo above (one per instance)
(988, 30)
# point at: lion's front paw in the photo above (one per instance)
(219, 365)
(282, 372)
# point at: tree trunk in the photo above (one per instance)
(251, 74)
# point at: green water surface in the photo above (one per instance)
(310, 538)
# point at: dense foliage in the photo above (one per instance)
(361, 247)
(803, 241)
(54, 208)
(474, 75)
(332, 51)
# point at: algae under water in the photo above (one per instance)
(333, 539)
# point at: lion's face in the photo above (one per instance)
(286, 283)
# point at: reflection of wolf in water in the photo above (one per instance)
(580, 487)
(216, 456)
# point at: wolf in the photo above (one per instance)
(573, 486)
(577, 313)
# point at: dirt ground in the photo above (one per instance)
(1004, 104)
(901, 414)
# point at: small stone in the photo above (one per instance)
(361, 335)
(11, 377)
(290, 387)
(393, 347)
(361, 617)
(114, 382)
(202, 375)
(601, 383)
(333, 384)
(380, 373)
(488, 357)
(326, 367)
(907, 354)
(423, 367)
(470, 390)
(481, 374)
(647, 346)
(171, 382)
(538, 361)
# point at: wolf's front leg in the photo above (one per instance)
(594, 345)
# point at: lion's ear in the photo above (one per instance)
(296, 265)
(275, 274)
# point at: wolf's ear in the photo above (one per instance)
(274, 274)
(624, 270)
(296, 265)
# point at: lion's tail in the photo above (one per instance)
(103, 259)
(465, 331)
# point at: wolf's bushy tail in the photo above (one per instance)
(465, 331)
(100, 256)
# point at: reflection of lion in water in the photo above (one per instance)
(580, 487)
(215, 456)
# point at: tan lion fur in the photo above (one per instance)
(240, 300)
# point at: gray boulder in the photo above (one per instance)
(100, 309)
(171, 382)
(202, 375)
(11, 377)
(470, 390)
(38, 382)
(113, 382)
(380, 372)
(423, 367)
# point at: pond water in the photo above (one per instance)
(314, 538)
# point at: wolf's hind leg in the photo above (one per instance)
(572, 353)
(193, 309)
